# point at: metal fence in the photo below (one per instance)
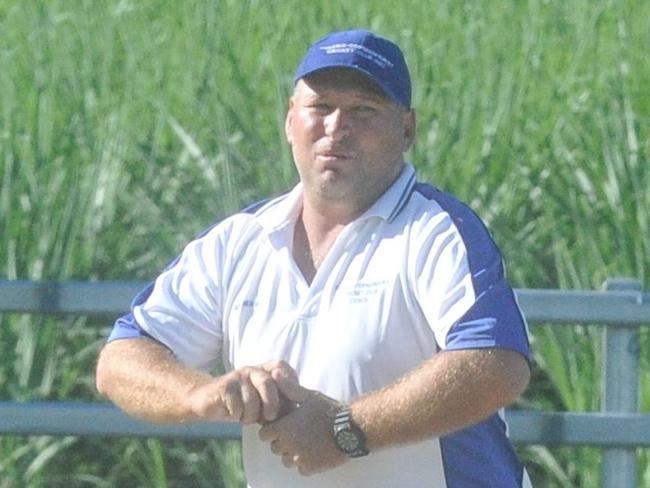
(621, 307)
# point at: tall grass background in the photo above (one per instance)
(127, 127)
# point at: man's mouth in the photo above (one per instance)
(334, 155)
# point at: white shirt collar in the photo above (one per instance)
(282, 212)
(391, 202)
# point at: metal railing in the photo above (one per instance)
(619, 429)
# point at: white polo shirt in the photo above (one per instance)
(416, 274)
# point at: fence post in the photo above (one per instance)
(620, 388)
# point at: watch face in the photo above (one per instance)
(347, 440)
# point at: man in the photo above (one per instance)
(363, 319)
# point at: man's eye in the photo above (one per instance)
(321, 107)
(364, 109)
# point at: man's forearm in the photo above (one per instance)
(448, 392)
(143, 378)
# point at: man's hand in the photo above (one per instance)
(304, 437)
(246, 395)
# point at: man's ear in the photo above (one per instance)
(288, 122)
(409, 125)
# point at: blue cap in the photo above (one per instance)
(376, 57)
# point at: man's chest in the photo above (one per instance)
(356, 327)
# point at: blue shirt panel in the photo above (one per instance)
(481, 456)
(494, 320)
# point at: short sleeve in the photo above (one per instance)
(460, 283)
(182, 308)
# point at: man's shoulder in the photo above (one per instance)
(460, 212)
(471, 227)
(447, 201)
(251, 218)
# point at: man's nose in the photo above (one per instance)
(337, 124)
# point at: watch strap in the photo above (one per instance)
(348, 437)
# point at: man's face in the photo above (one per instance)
(347, 137)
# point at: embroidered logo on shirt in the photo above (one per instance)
(362, 292)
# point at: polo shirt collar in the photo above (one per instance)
(281, 213)
(393, 200)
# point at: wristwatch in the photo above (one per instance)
(348, 436)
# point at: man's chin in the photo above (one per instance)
(334, 195)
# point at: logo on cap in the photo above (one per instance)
(351, 48)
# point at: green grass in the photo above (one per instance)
(127, 127)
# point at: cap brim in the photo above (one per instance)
(358, 69)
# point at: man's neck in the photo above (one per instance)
(314, 234)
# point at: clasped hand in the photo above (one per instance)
(246, 395)
(296, 421)
(303, 437)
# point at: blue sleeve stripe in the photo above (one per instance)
(494, 320)
(126, 328)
